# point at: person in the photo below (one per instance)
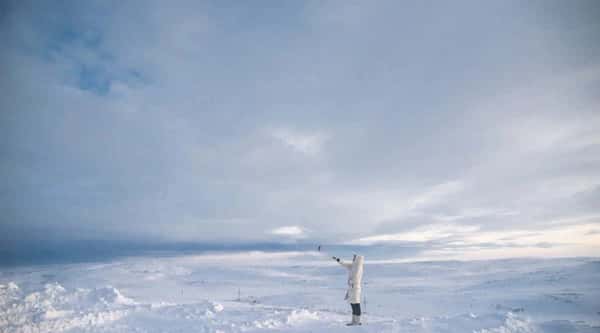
(355, 272)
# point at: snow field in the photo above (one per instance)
(299, 292)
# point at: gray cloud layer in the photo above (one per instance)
(336, 120)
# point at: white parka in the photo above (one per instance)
(355, 273)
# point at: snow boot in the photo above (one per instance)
(355, 321)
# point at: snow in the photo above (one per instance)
(300, 292)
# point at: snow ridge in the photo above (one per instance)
(55, 309)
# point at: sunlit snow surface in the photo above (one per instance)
(299, 292)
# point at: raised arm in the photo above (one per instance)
(347, 265)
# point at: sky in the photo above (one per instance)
(466, 129)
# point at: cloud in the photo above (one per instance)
(391, 204)
(421, 234)
(306, 143)
(475, 213)
(374, 121)
(292, 231)
(454, 240)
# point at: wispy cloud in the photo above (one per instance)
(472, 242)
(420, 234)
(303, 142)
(292, 231)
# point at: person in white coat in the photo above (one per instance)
(355, 273)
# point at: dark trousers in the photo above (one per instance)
(355, 309)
